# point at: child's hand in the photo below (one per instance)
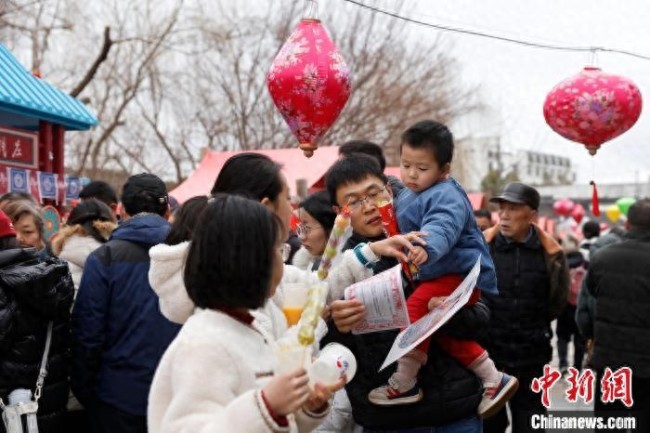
(288, 392)
(318, 399)
(394, 245)
(418, 255)
(436, 302)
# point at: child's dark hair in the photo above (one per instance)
(352, 169)
(101, 191)
(251, 175)
(591, 229)
(185, 220)
(230, 260)
(433, 136)
(86, 213)
(366, 147)
(319, 206)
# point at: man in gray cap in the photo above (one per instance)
(533, 282)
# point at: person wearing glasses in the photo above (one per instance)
(434, 203)
(451, 393)
(316, 221)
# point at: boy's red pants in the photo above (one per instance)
(464, 351)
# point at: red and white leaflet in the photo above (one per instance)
(410, 337)
(383, 297)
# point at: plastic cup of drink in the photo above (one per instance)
(295, 297)
(290, 357)
(334, 361)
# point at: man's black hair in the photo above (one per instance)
(230, 260)
(366, 147)
(432, 136)
(101, 191)
(591, 229)
(352, 169)
(638, 216)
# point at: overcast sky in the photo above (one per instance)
(514, 80)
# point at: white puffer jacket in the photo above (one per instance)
(166, 279)
(237, 360)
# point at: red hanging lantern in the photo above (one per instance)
(309, 83)
(563, 207)
(593, 107)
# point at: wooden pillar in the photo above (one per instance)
(58, 146)
(45, 149)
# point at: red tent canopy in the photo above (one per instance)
(294, 166)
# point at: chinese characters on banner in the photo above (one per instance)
(18, 148)
(614, 385)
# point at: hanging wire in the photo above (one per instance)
(593, 58)
(312, 12)
(587, 49)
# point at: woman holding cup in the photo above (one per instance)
(233, 267)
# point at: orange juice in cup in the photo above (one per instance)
(295, 297)
(292, 314)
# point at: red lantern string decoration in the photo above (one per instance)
(309, 83)
(592, 108)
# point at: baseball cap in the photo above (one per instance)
(6, 226)
(517, 192)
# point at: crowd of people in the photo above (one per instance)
(167, 320)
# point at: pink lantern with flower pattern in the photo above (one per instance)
(593, 107)
(309, 83)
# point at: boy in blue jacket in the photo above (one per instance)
(436, 204)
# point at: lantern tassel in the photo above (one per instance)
(595, 203)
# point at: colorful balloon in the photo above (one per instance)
(613, 213)
(578, 213)
(563, 207)
(624, 204)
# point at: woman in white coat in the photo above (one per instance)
(217, 375)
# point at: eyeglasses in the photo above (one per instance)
(303, 230)
(372, 197)
(285, 249)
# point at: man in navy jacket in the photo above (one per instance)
(119, 334)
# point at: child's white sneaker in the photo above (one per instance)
(496, 395)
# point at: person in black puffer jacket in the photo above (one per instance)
(451, 393)
(619, 282)
(533, 281)
(34, 291)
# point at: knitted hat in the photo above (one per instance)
(6, 227)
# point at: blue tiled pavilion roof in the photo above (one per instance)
(26, 99)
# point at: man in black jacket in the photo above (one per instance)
(451, 393)
(619, 280)
(533, 281)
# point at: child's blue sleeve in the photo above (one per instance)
(443, 222)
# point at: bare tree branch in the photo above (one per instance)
(101, 57)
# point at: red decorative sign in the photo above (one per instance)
(18, 148)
